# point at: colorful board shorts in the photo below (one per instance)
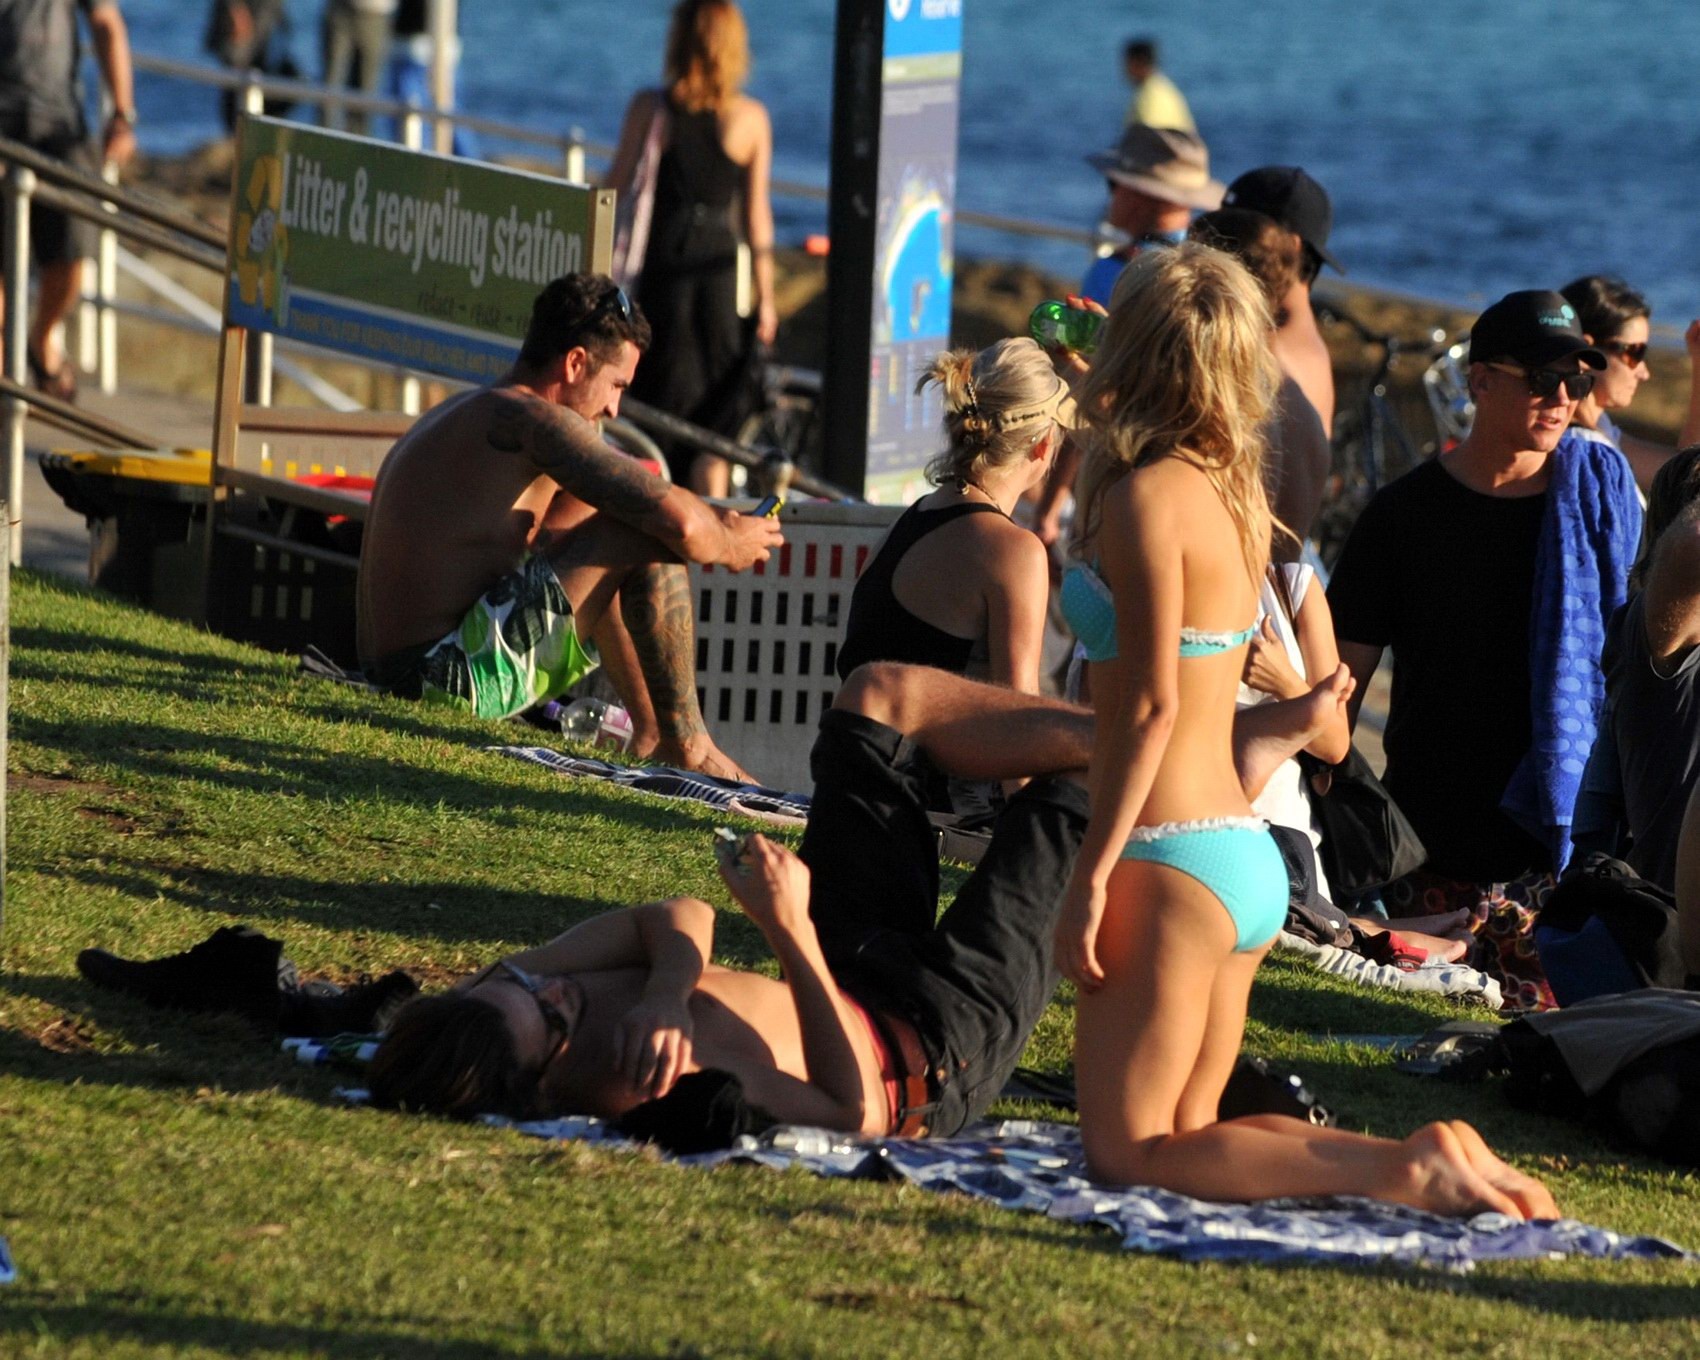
(517, 646)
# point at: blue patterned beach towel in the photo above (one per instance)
(1038, 1167)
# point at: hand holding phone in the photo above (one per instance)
(729, 850)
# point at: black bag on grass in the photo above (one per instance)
(1628, 1065)
(1366, 841)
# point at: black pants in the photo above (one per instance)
(974, 981)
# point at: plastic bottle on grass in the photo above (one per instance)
(1055, 323)
(592, 720)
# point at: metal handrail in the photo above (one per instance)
(128, 200)
(573, 145)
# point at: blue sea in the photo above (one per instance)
(1470, 148)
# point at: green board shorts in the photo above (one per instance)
(517, 646)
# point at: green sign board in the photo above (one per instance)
(418, 260)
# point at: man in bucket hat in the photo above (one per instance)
(1157, 178)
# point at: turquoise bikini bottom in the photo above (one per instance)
(1236, 858)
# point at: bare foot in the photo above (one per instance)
(1533, 1198)
(1257, 757)
(702, 756)
(1439, 948)
(1448, 925)
(1443, 1180)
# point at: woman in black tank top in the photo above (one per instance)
(956, 584)
(712, 179)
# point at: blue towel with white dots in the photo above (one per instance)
(1589, 537)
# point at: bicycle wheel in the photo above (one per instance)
(788, 424)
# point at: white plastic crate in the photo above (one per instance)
(767, 638)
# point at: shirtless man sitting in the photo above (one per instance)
(885, 1022)
(508, 548)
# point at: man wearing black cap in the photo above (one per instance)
(1442, 567)
(1295, 200)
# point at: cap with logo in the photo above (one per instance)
(1164, 162)
(1533, 328)
(1293, 199)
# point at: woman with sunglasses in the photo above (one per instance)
(1616, 321)
(1178, 890)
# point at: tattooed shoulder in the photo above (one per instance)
(570, 449)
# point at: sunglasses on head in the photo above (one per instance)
(1633, 355)
(617, 301)
(1543, 382)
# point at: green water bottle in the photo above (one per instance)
(1055, 323)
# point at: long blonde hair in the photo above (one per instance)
(981, 392)
(1184, 369)
(708, 54)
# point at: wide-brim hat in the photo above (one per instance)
(1164, 162)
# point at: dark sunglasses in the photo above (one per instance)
(617, 301)
(1633, 355)
(556, 1022)
(1543, 382)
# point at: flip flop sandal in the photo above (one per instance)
(60, 383)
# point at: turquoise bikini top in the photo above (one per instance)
(1091, 611)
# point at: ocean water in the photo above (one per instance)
(1469, 148)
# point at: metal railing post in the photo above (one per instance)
(5, 687)
(20, 185)
(575, 157)
(413, 130)
(106, 292)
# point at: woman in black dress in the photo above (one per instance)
(711, 183)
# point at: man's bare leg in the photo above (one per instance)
(968, 729)
(58, 286)
(655, 600)
(620, 663)
(603, 567)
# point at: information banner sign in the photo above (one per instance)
(423, 261)
(893, 212)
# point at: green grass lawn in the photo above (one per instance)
(170, 1185)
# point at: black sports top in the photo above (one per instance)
(880, 628)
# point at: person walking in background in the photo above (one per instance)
(1157, 100)
(1157, 178)
(1617, 320)
(251, 35)
(1301, 205)
(702, 151)
(1178, 891)
(41, 105)
(357, 36)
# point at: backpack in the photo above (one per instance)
(1628, 1065)
(1606, 929)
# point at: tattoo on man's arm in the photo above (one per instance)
(566, 448)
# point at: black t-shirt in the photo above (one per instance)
(1445, 577)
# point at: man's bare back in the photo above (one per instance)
(451, 513)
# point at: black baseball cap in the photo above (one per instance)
(1534, 328)
(1293, 199)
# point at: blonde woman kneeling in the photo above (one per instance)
(1179, 890)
